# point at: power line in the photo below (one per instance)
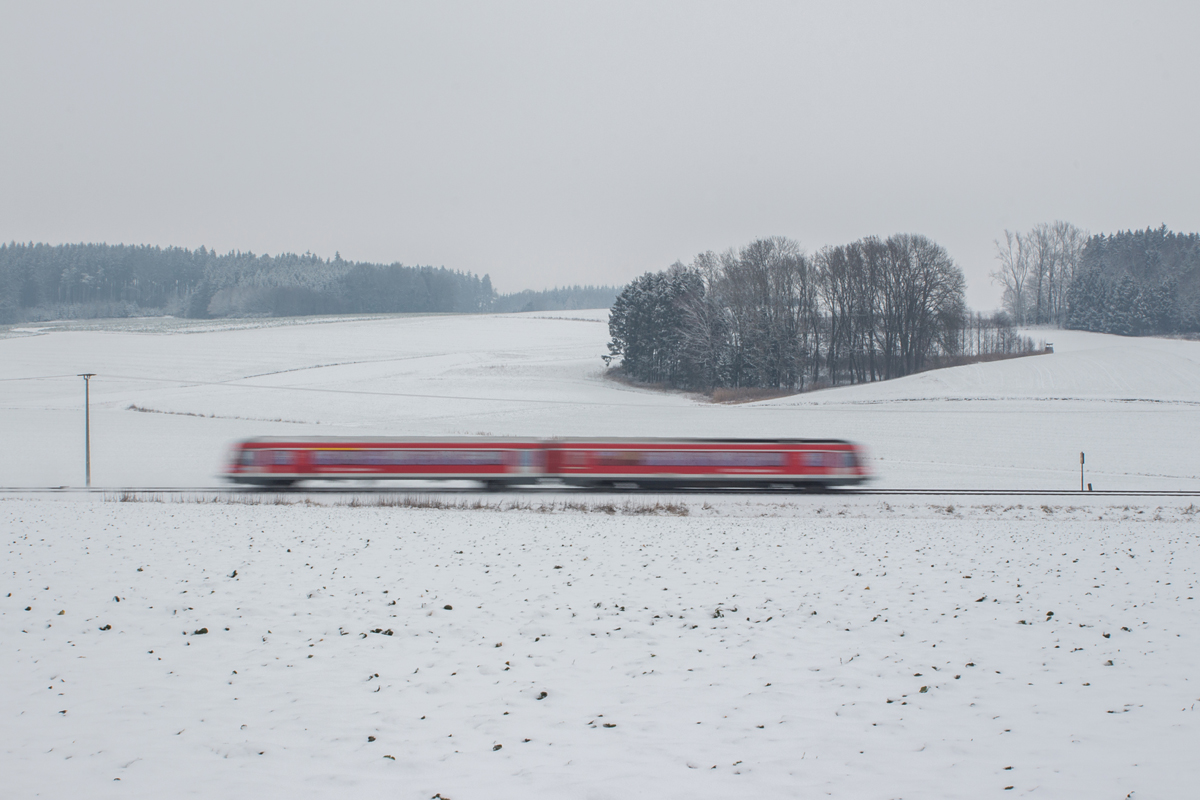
(39, 378)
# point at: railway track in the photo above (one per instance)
(560, 490)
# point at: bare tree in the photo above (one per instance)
(1013, 273)
(1068, 248)
(923, 302)
(835, 268)
(772, 301)
(1036, 268)
(1042, 259)
(768, 316)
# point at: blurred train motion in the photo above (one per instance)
(500, 463)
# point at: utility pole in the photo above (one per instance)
(1081, 472)
(87, 426)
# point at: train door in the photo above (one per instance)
(526, 461)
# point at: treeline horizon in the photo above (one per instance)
(1137, 282)
(1131, 283)
(78, 281)
(769, 316)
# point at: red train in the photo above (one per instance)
(499, 463)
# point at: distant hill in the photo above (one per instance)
(41, 281)
(568, 297)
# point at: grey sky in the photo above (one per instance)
(561, 143)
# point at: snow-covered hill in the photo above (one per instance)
(1010, 424)
(580, 645)
(1093, 366)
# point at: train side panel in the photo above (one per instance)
(701, 463)
(278, 462)
(577, 462)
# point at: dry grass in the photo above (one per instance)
(617, 375)
(750, 394)
(145, 410)
(746, 394)
(727, 395)
(942, 362)
(416, 501)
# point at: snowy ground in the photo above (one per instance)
(1017, 424)
(750, 649)
(769, 646)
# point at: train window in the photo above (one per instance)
(619, 458)
(381, 458)
(830, 460)
(757, 459)
(281, 457)
(719, 458)
(339, 458)
(466, 457)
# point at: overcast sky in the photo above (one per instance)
(560, 143)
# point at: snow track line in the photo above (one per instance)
(236, 383)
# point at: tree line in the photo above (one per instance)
(41, 281)
(1137, 282)
(557, 299)
(1130, 282)
(770, 316)
(1037, 269)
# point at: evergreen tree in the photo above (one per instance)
(1137, 282)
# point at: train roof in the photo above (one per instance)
(389, 439)
(493, 440)
(666, 440)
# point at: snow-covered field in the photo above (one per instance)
(754, 648)
(1021, 424)
(693, 646)
(750, 649)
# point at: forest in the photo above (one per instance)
(1137, 282)
(1130, 283)
(770, 316)
(42, 282)
(557, 299)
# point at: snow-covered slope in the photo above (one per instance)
(1129, 403)
(1083, 366)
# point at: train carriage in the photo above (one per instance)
(498, 463)
(275, 461)
(701, 463)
